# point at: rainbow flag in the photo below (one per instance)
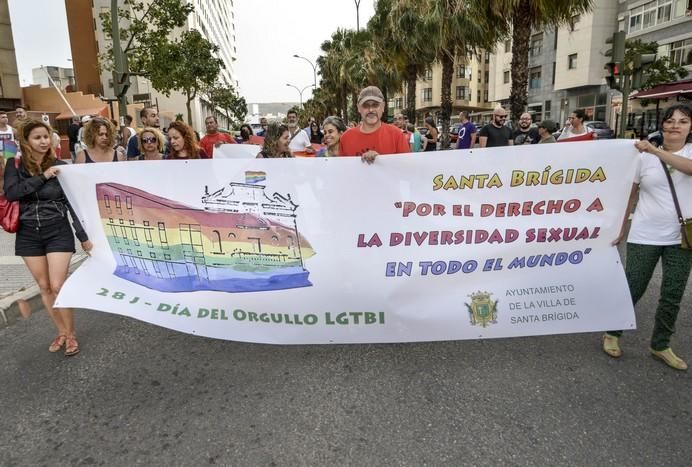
(252, 176)
(8, 149)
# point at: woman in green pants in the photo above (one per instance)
(655, 231)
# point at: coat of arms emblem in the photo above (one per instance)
(482, 310)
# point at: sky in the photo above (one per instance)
(268, 32)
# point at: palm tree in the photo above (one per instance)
(457, 28)
(395, 29)
(525, 16)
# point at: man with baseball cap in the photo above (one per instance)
(372, 137)
(545, 130)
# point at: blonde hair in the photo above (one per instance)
(91, 131)
(153, 131)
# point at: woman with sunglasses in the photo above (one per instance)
(99, 139)
(150, 144)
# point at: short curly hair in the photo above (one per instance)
(92, 128)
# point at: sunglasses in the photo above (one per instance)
(501, 116)
(149, 140)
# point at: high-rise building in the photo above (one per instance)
(668, 23)
(214, 19)
(10, 91)
(470, 83)
(565, 67)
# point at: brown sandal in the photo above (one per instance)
(57, 343)
(71, 346)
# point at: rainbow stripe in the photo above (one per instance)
(8, 149)
(252, 176)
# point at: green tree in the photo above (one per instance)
(233, 106)
(523, 17)
(457, 28)
(189, 65)
(660, 71)
(145, 28)
(395, 31)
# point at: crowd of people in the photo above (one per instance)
(45, 240)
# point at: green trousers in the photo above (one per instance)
(676, 264)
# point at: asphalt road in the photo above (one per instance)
(143, 395)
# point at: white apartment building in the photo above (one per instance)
(214, 19)
(565, 67)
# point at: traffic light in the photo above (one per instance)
(613, 75)
(617, 59)
(639, 65)
(617, 52)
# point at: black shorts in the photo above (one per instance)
(54, 237)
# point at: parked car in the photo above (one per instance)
(454, 133)
(602, 130)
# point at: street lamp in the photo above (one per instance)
(300, 91)
(314, 68)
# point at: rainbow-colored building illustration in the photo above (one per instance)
(240, 241)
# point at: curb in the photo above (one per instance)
(10, 306)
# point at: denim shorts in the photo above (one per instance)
(38, 240)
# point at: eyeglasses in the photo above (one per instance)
(149, 140)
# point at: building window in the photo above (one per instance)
(665, 8)
(487, 57)
(505, 77)
(553, 77)
(486, 77)
(478, 95)
(535, 77)
(679, 8)
(681, 52)
(635, 19)
(536, 45)
(428, 74)
(2, 92)
(508, 46)
(461, 71)
(546, 114)
(572, 62)
(649, 15)
(573, 22)
(427, 95)
(485, 95)
(461, 93)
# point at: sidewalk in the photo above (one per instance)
(16, 283)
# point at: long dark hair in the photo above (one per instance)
(28, 159)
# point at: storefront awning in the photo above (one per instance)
(663, 91)
(102, 110)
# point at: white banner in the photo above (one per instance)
(237, 151)
(451, 245)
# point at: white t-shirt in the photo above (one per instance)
(300, 142)
(569, 132)
(7, 134)
(655, 221)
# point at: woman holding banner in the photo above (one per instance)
(655, 232)
(150, 144)
(276, 141)
(184, 144)
(44, 239)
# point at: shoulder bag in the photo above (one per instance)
(9, 210)
(685, 224)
